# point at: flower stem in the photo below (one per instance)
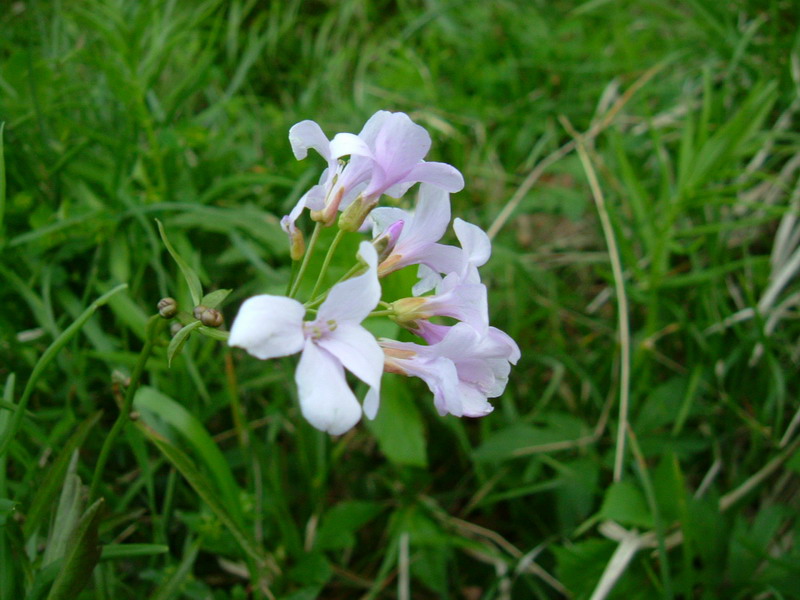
(339, 235)
(152, 330)
(382, 313)
(306, 258)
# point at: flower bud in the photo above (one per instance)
(408, 310)
(167, 307)
(211, 318)
(385, 242)
(198, 311)
(353, 216)
(175, 328)
(297, 244)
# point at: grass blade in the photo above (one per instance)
(47, 358)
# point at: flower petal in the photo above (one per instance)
(473, 402)
(269, 326)
(357, 349)
(400, 143)
(430, 220)
(327, 402)
(344, 144)
(373, 125)
(384, 216)
(352, 300)
(308, 134)
(372, 402)
(474, 241)
(441, 175)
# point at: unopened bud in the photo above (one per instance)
(385, 242)
(198, 311)
(167, 307)
(353, 216)
(297, 245)
(211, 318)
(408, 310)
(175, 328)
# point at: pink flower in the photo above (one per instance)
(386, 157)
(462, 370)
(422, 229)
(272, 326)
(453, 298)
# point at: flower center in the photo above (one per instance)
(316, 330)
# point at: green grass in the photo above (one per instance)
(116, 114)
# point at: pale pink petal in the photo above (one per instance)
(384, 216)
(400, 143)
(473, 402)
(443, 259)
(430, 220)
(357, 349)
(373, 125)
(308, 134)
(268, 326)
(474, 241)
(440, 175)
(428, 280)
(344, 144)
(504, 345)
(372, 402)
(325, 398)
(352, 300)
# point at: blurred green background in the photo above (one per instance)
(120, 112)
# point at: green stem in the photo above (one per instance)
(152, 330)
(327, 262)
(382, 313)
(306, 258)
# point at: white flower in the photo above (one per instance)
(272, 326)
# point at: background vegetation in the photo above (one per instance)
(117, 113)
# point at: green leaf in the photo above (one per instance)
(192, 280)
(625, 504)
(179, 339)
(210, 496)
(2, 184)
(115, 551)
(157, 408)
(47, 358)
(215, 298)
(70, 505)
(522, 440)
(81, 558)
(341, 522)
(52, 480)
(170, 588)
(214, 334)
(399, 429)
(7, 508)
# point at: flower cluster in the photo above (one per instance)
(463, 363)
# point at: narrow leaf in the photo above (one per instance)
(51, 481)
(192, 280)
(82, 556)
(209, 495)
(215, 298)
(115, 551)
(46, 359)
(2, 183)
(170, 588)
(156, 408)
(179, 339)
(67, 514)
